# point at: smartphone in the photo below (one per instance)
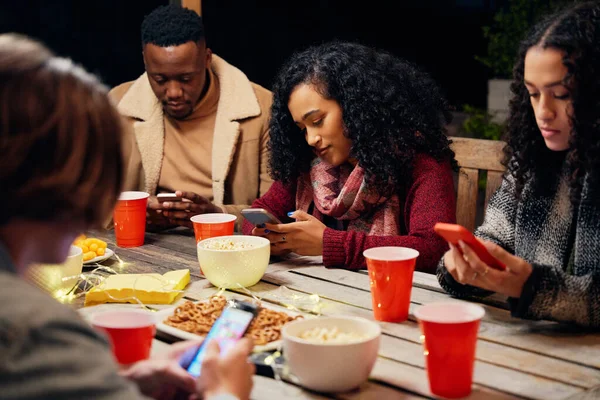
(230, 327)
(259, 216)
(453, 233)
(162, 197)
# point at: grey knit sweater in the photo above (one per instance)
(563, 247)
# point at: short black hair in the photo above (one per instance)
(172, 25)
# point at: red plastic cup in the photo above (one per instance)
(129, 218)
(450, 338)
(391, 273)
(130, 333)
(213, 225)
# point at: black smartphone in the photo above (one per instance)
(259, 216)
(230, 327)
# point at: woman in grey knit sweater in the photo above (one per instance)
(544, 220)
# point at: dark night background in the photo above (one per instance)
(441, 36)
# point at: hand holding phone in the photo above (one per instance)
(453, 233)
(258, 216)
(162, 197)
(230, 327)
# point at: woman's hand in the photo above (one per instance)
(466, 268)
(303, 237)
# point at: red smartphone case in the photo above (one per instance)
(453, 233)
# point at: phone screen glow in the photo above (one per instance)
(227, 330)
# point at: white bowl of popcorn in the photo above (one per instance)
(331, 354)
(234, 261)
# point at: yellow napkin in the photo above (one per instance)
(147, 288)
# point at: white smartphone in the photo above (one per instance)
(259, 216)
(161, 197)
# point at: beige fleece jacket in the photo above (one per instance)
(239, 151)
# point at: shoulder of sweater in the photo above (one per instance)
(29, 305)
(117, 93)
(425, 163)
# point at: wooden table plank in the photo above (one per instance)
(592, 394)
(515, 358)
(401, 350)
(415, 380)
(403, 345)
(268, 388)
(373, 391)
(498, 326)
(493, 376)
(201, 291)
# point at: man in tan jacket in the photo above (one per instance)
(198, 126)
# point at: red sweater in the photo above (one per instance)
(430, 198)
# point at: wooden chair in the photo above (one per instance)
(474, 155)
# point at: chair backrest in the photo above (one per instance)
(474, 155)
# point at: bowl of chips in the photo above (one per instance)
(234, 261)
(91, 247)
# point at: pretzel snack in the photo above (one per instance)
(199, 317)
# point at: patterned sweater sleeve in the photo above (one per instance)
(552, 294)
(498, 227)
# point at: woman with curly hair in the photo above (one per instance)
(544, 221)
(359, 152)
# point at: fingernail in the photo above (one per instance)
(290, 213)
(267, 231)
(260, 226)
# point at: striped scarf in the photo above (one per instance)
(342, 193)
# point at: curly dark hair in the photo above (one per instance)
(172, 25)
(575, 31)
(391, 111)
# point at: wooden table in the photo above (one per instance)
(515, 358)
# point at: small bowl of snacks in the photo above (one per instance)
(234, 261)
(331, 354)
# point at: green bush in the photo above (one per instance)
(508, 28)
(480, 124)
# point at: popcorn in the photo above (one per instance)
(227, 244)
(331, 335)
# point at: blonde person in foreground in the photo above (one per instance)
(60, 174)
(544, 221)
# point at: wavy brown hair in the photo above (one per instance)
(576, 32)
(60, 138)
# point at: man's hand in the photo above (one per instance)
(179, 212)
(162, 377)
(155, 219)
(230, 374)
